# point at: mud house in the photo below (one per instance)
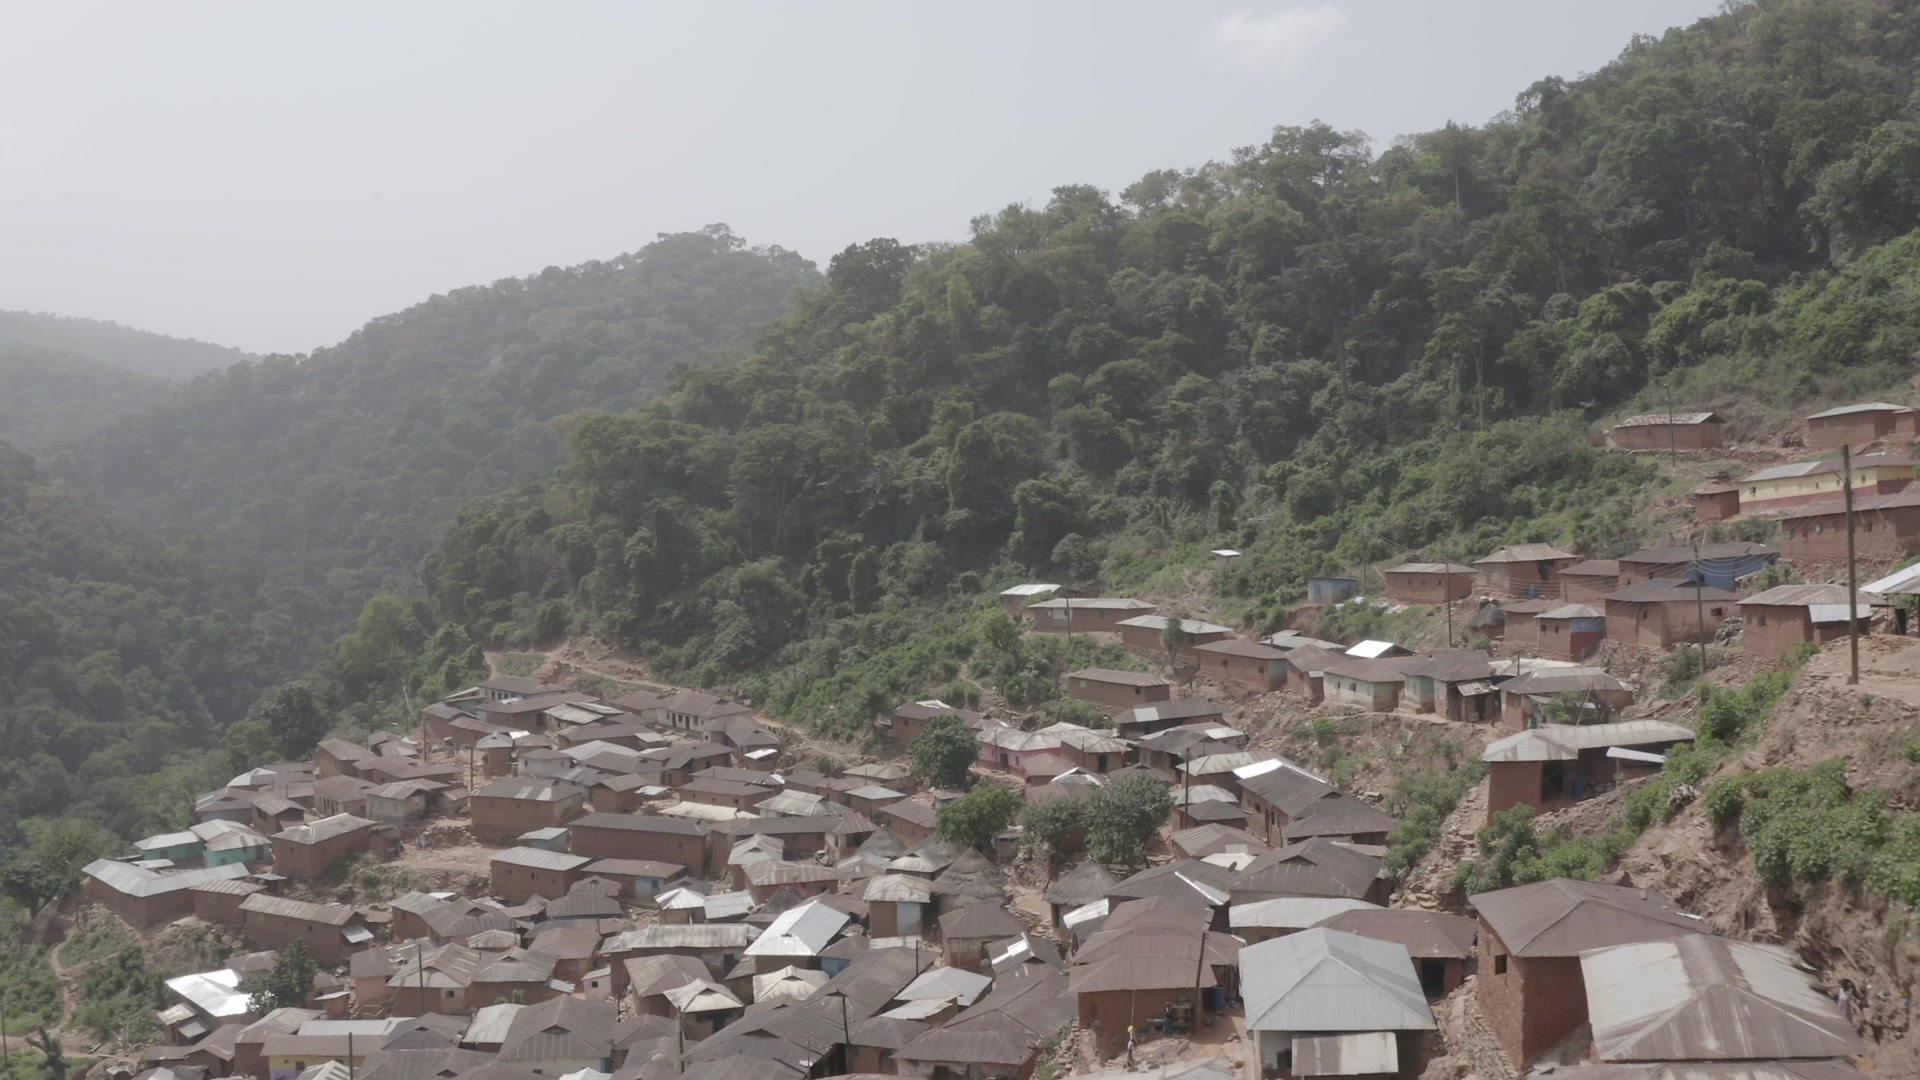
(1857, 425)
(400, 802)
(1372, 685)
(1885, 527)
(1455, 683)
(904, 724)
(340, 794)
(1093, 751)
(1559, 764)
(330, 932)
(436, 721)
(966, 932)
(1315, 867)
(639, 879)
(1014, 601)
(508, 807)
(1243, 663)
(1777, 621)
(898, 905)
(1524, 698)
(1147, 634)
(1008, 749)
(522, 873)
(1274, 798)
(912, 822)
(1429, 582)
(1664, 612)
(1142, 720)
(306, 851)
(1320, 998)
(1439, 944)
(714, 791)
(1669, 431)
(1587, 581)
(218, 902)
(1715, 502)
(1115, 689)
(1331, 590)
(1526, 571)
(1812, 481)
(639, 836)
(144, 897)
(1067, 615)
(1570, 631)
(1719, 564)
(1345, 820)
(338, 757)
(1517, 628)
(1529, 984)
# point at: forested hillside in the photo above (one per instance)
(139, 351)
(52, 399)
(318, 478)
(120, 662)
(1311, 350)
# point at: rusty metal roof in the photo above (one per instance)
(1701, 998)
(540, 859)
(979, 921)
(1563, 917)
(283, 908)
(1427, 935)
(1316, 867)
(1139, 972)
(1004, 1028)
(1336, 817)
(562, 1029)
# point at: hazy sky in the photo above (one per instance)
(273, 175)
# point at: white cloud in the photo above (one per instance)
(1272, 42)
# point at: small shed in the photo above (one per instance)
(1243, 663)
(1715, 502)
(1331, 590)
(1777, 621)
(1557, 765)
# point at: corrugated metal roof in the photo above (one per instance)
(1114, 675)
(1292, 912)
(946, 984)
(1139, 972)
(1325, 980)
(1427, 935)
(562, 1029)
(1429, 568)
(1293, 639)
(1095, 603)
(1701, 998)
(1364, 1053)
(898, 888)
(1315, 867)
(1572, 611)
(1563, 917)
(1563, 742)
(800, 931)
(540, 859)
(213, 993)
(637, 823)
(1518, 553)
(1715, 1070)
(1664, 420)
(1870, 406)
(1160, 622)
(979, 921)
(283, 908)
(727, 905)
(1799, 596)
(130, 880)
(1252, 650)
(1338, 816)
(1374, 650)
(1177, 709)
(1551, 681)
(1004, 1028)
(681, 936)
(1029, 589)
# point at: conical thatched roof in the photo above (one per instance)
(1082, 885)
(971, 877)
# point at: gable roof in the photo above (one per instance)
(1666, 590)
(800, 931)
(1429, 568)
(1563, 742)
(563, 1028)
(1316, 867)
(1564, 917)
(1114, 675)
(325, 829)
(130, 880)
(1687, 419)
(1519, 553)
(1252, 650)
(1004, 1028)
(1702, 998)
(1324, 980)
(1160, 622)
(531, 789)
(1426, 934)
(1870, 406)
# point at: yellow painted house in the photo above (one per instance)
(1808, 481)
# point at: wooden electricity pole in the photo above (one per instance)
(1699, 606)
(1853, 581)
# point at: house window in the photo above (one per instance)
(1500, 965)
(1760, 617)
(1718, 612)
(1136, 691)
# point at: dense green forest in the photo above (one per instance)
(1318, 351)
(318, 479)
(142, 352)
(49, 400)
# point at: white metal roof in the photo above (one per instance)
(1869, 406)
(213, 993)
(1836, 613)
(946, 984)
(1087, 912)
(1029, 589)
(1328, 981)
(1292, 912)
(800, 931)
(1563, 742)
(1371, 650)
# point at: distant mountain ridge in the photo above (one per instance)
(139, 351)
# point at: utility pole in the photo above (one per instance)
(3, 1029)
(1699, 606)
(1853, 581)
(1199, 972)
